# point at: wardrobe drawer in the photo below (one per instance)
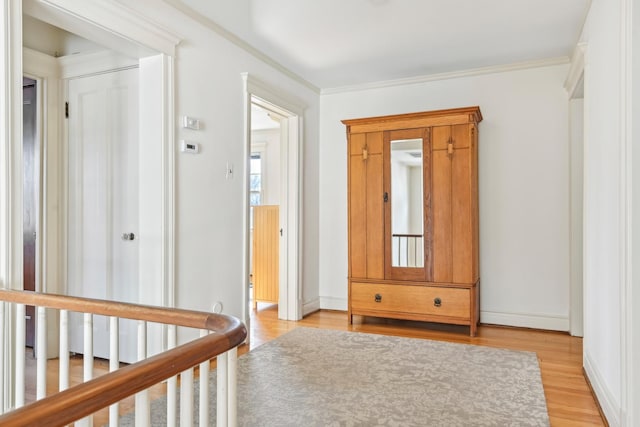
(419, 300)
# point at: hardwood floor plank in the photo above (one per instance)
(569, 399)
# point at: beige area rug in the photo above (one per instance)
(318, 377)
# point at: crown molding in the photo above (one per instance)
(113, 19)
(449, 75)
(576, 70)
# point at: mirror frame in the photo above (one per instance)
(409, 273)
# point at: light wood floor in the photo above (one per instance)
(569, 400)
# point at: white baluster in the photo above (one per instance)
(232, 373)
(204, 388)
(20, 352)
(87, 361)
(222, 398)
(186, 398)
(41, 356)
(143, 408)
(114, 363)
(63, 374)
(172, 383)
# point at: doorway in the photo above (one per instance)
(97, 49)
(31, 197)
(258, 93)
(264, 205)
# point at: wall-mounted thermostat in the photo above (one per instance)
(189, 147)
(190, 123)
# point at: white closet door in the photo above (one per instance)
(103, 201)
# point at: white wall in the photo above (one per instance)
(209, 208)
(524, 187)
(53, 41)
(633, 345)
(604, 209)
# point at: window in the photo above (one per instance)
(255, 186)
(255, 183)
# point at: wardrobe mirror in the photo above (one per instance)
(407, 233)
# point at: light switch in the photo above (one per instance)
(189, 147)
(190, 123)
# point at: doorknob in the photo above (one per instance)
(128, 236)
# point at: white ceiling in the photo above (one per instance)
(333, 43)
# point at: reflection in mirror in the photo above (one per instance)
(407, 237)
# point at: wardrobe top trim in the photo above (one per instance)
(413, 120)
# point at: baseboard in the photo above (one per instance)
(526, 320)
(595, 398)
(332, 303)
(310, 307)
(603, 396)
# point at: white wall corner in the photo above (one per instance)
(605, 397)
(576, 69)
(526, 320)
(310, 306)
(332, 303)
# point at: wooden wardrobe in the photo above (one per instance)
(413, 216)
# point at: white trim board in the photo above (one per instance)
(333, 303)
(112, 23)
(526, 320)
(310, 307)
(87, 64)
(448, 75)
(40, 64)
(605, 397)
(576, 70)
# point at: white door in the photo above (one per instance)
(103, 201)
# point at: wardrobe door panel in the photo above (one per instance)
(366, 211)
(441, 205)
(473, 131)
(375, 207)
(462, 215)
(357, 208)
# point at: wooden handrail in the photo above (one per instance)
(84, 399)
(169, 316)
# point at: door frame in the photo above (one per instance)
(290, 289)
(574, 85)
(93, 19)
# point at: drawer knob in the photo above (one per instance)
(378, 298)
(437, 302)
